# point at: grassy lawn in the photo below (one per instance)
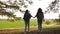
(15, 24)
(47, 29)
(19, 24)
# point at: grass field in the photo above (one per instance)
(47, 29)
(15, 24)
(18, 23)
(19, 27)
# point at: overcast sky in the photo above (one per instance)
(34, 7)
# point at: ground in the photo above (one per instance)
(47, 29)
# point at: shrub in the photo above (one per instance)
(47, 22)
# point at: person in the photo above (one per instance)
(40, 17)
(26, 18)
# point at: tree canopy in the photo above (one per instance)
(17, 4)
(12, 4)
(53, 6)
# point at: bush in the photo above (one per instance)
(57, 20)
(47, 22)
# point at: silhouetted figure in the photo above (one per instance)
(40, 17)
(26, 18)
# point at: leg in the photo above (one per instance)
(39, 25)
(25, 26)
(28, 26)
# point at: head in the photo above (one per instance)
(39, 10)
(27, 11)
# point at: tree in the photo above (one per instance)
(16, 5)
(54, 6)
(59, 17)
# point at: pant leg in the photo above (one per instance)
(39, 25)
(28, 26)
(25, 26)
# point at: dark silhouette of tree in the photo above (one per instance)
(54, 6)
(16, 5)
(59, 17)
(9, 14)
(58, 20)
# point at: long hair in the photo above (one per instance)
(39, 14)
(39, 10)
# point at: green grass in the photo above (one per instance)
(15, 24)
(8, 24)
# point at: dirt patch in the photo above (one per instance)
(18, 31)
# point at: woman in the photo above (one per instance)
(40, 17)
(26, 18)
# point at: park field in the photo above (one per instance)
(15, 24)
(17, 27)
(4, 24)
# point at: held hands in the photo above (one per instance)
(33, 16)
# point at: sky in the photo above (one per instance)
(34, 7)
